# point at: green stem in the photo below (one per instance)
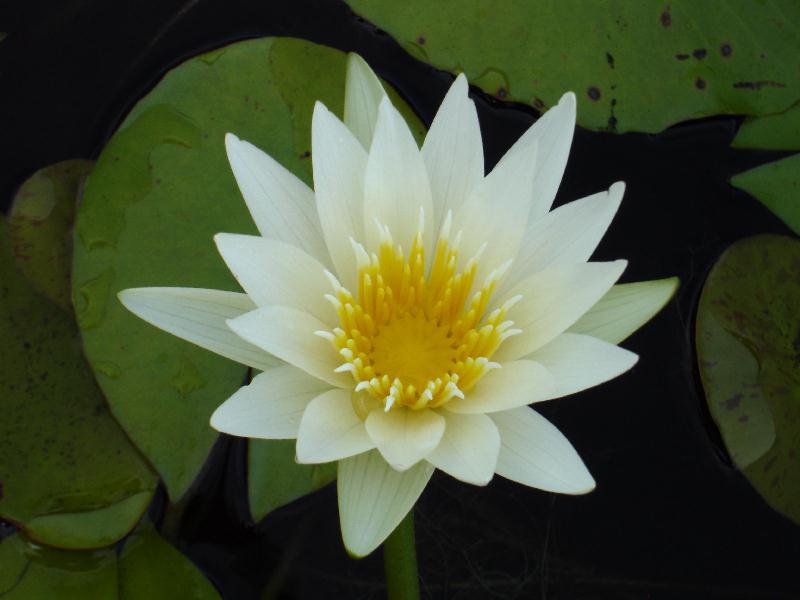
(400, 561)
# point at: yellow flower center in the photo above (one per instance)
(414, 339)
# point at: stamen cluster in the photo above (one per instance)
(414, 339)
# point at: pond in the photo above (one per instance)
(674, 513)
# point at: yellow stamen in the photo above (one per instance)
(411, 339)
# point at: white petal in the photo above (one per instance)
(453, 151)
(396, 183)
(339, 162)
(405, 436)
(625, 308)
(534, 453)
(288, 333)
(374, 498)
(199, 316)
(362, 95)
(553, 133)
(567, 235)
(497, 212)
(270, 407)
(469, 448)
(331, 430)
(273, 272)
(554, 299)
(578, 362)
(518, 383)
(281, 205)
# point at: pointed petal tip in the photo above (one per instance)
(617, 189)
(568, 99)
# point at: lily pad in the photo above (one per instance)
(636, 66)
(274, 478)
(150, 568)
(32, 572)
(748, 349)
(772, 132)
(70, 476)
(40, 227)
(159, 192)
(777, 186)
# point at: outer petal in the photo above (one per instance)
(331, 430)
(453, 151)
(404, 436)
(625, 308)
(273, 272)
(567, 235)
(270, 407)
(396, 182)
(578, 362)
(552, 300)
(339, 162)
(553, 133)
(374, 498)
(290, 335)
(534, 453)
(518, 383)
(469, 448)
(362, 95)
(281, 205)
(199, 316)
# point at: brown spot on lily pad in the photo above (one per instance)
(726, 50)
(421, 40)
(681, 56)
(699, 53)
(733, 402)
(593, 93)
(700, 83)
(666, 17)
(757, 85)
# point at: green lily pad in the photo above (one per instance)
(159, 192)
(31, 572)
(773, 132)
(70, 477)
(274, 478)
(777, 186)
(748, 349)
(150, 568)
(40, 227)
(636, 66)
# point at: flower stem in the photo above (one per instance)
(400, 561)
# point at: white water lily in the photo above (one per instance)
(407, 311)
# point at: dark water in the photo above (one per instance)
(671, 518)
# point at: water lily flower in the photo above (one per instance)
(406, 312)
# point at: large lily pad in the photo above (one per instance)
(159, 192)
(748, 348)
(636, 66)
(777, 186)
(70, 477)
